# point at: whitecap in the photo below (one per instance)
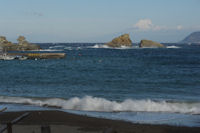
(98, 46)
(57, 46)
(173, 46)
(48, 50)
(103, 46)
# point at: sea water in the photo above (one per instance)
(141, 85)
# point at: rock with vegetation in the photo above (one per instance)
(22, 41)
(123, 40)
(22, 45)
(150, 44)
(192, 38)
(4, 42)
(25, 45)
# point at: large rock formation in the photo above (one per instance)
(192, 38)
(123, 40)
(150, 44)
(22, 45)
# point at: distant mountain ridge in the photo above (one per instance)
(192, 38)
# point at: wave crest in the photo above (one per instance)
(173, 46)
(89, 103)
(107, 47)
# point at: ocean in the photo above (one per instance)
(141, 85)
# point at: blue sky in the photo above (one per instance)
(98, 20)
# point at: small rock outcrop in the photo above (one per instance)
(150, 44)
(123, 40)
(22, 45)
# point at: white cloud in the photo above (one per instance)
(38, 14)
(157, 27)
(144, 24)
(147, 24)
(179, 27)
(33, 13)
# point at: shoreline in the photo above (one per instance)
(59, 121)
(138, 117)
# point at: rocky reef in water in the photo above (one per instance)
(150, 44)
(123, 40)
(23, 44)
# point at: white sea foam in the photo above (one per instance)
(73, 48)
(57, 46)
(48, 50)
(107, 47)
(89, 103)
(173, 46)
(98, 46)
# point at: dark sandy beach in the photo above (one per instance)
(62, 122)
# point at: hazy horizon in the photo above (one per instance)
(92, 21)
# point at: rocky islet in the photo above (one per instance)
(121, 41)
(125, 41)
(23, 44)
(150, 44)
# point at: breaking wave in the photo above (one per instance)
(98, 46)
(57, 46)
(173, 46)
(124, 47)
(107, 47)
(89, 103)
(48, 50)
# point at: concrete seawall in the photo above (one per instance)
(40, 55)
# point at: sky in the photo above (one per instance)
(98, 20)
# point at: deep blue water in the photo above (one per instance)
(115, 74)
(148, 77)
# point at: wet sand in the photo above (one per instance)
(62, 122)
